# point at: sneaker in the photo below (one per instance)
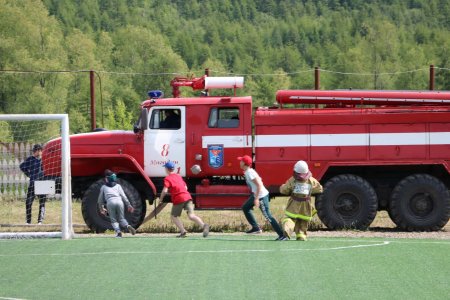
(205, 230)
(39, 223)
(131, 230)
(182, 235)
(119, 234)
(256, 230)
(282, 238)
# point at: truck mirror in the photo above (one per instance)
(144, 119)
(135, 128)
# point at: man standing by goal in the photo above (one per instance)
(32, 167)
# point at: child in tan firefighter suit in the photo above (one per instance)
(299, 209)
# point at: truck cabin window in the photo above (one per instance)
(166, 119)
(224, 118)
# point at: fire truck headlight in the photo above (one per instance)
(195, 169)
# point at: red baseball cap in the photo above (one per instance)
(246, 159)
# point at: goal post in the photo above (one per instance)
(21, 138)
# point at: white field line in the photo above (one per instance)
(196, 251)
(9, 298)
(396, 241)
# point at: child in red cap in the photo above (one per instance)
(259, 197)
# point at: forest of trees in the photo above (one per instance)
(139, 45)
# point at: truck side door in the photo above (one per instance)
(227, 136)
(165, 140)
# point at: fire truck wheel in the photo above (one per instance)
(98, 222)
(348, 201)
(420, 202)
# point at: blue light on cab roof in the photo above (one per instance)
(156, 94)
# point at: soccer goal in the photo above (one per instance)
(35, 190)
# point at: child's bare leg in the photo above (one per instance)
(196, 219)
(178, 223)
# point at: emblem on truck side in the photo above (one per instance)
(215, 156)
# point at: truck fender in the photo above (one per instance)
(121, 156)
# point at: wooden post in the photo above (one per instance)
(317, 78)
(431, 85)
(316, 81)
(93, 122)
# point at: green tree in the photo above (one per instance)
(140, 50)
(120, 118)
(30, 39)
(5, 132)
(81, 50)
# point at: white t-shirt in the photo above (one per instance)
(251, 174)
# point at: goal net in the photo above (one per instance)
(35, 195)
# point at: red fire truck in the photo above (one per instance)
(372, 150)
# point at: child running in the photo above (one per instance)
(259, 197)
(112, 194)
(181, 199)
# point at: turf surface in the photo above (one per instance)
(224, 267)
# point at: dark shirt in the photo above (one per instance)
(32, 167)
(171, 121)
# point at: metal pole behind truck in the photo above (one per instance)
(92, 80)
(431, 85)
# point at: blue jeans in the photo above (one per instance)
(247, 207)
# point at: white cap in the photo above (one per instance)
(301, 167)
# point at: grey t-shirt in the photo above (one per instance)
(114, 193)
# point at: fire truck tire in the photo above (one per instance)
(98, 222)
(420, 202)
(348, 202)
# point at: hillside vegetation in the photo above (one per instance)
(275, 44)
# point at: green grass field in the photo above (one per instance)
(224, 267)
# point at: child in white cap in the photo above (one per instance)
(299, 209)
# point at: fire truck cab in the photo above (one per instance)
(209, 135)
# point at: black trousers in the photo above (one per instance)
(29, 203)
